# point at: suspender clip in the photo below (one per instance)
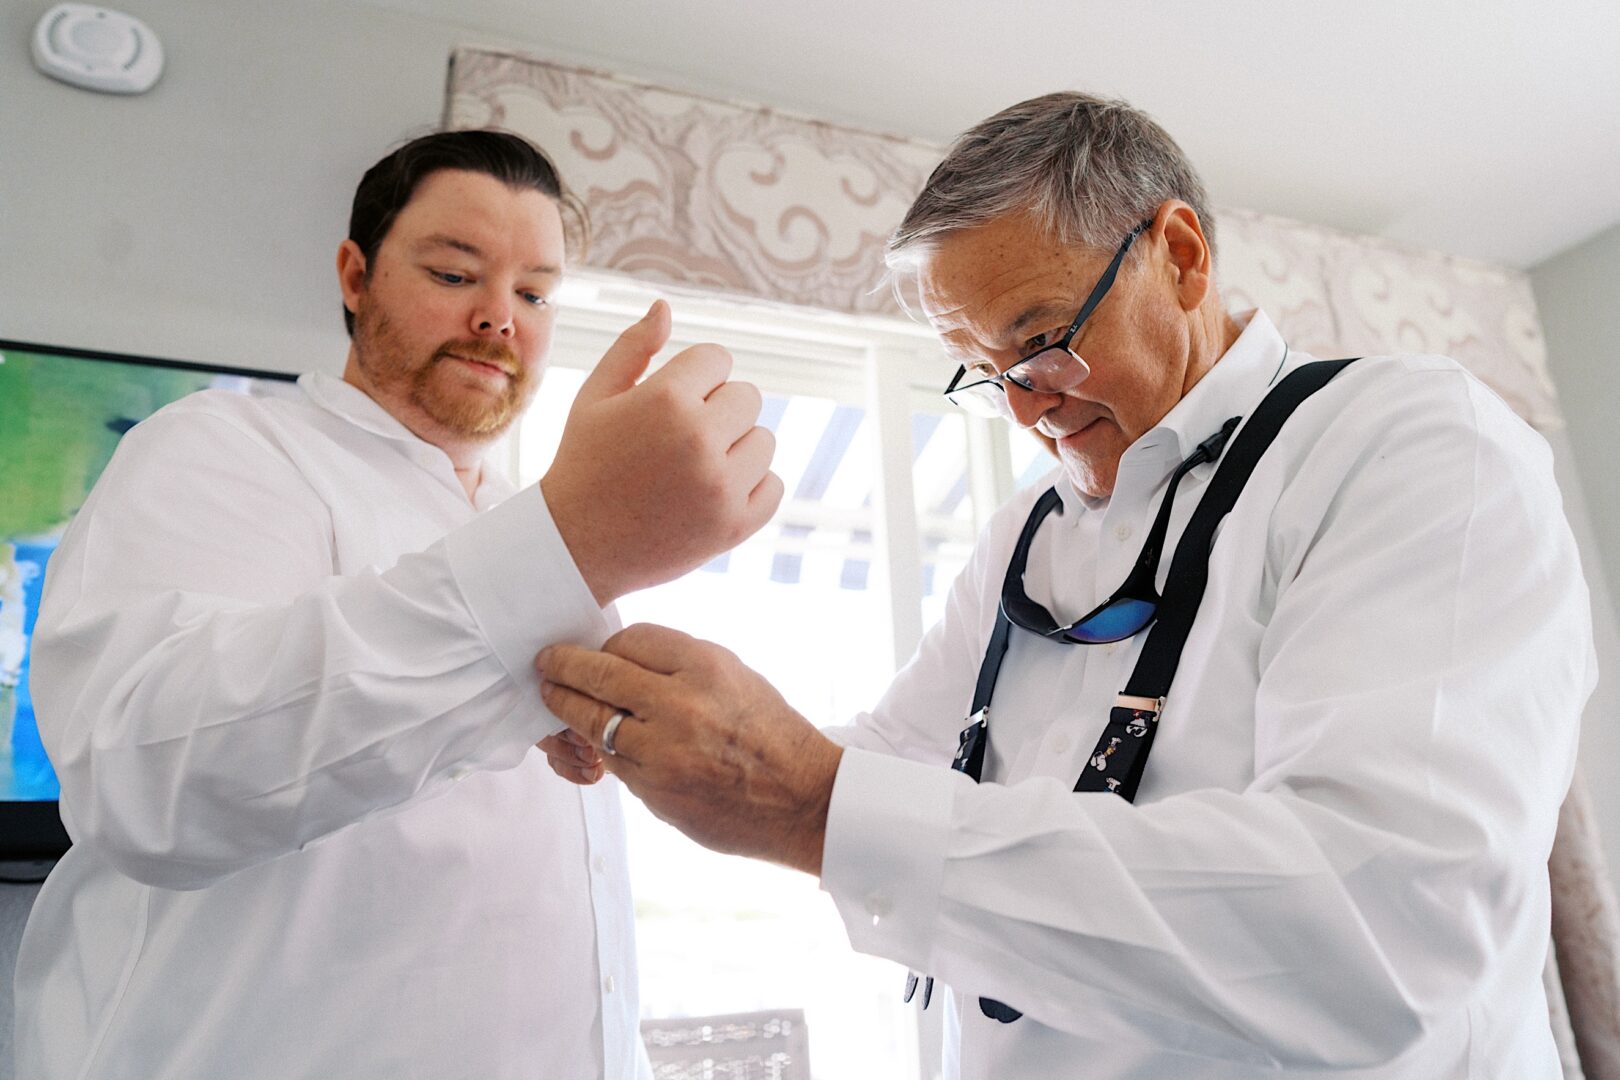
(1140, 704)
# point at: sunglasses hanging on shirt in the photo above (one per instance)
(1135, 603)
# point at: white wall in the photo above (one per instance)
(1578, 293)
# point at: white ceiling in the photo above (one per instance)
(1488, 128)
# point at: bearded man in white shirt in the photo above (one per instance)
(284, 670)
(1336, 858)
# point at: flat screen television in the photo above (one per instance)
(62, 412)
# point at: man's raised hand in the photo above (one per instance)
(654, 478)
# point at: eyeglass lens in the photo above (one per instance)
(1050, 371)
(1053, 370)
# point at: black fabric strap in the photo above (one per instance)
(990, 667)
(1119, 760)
(971, 745)
(1189, 568)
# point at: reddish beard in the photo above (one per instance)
(457, 401)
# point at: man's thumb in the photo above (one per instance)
(627, 358)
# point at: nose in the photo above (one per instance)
(492, 316)
(1027, 406)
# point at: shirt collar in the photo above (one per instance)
(354, 406)
(1231, 387)
(345, 400)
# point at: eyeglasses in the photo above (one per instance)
(1051, 369)
(1134, 604)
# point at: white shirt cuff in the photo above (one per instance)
(523, 589)
(884, 854)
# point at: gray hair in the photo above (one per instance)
(1087, 168)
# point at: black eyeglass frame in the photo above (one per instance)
(1013, 374)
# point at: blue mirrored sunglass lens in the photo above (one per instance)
(1117, 621)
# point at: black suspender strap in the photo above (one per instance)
(1120, 757)
(971, 745)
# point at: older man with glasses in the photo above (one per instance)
(1352, 631)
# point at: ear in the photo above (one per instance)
(1187, 255)
(351, 269)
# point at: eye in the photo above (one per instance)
(448, 278)
(534, 299)
(1041, 341)
(982, 369)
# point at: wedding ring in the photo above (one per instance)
(612, 730)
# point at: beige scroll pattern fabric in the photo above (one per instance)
(701, 193)
(1569, 1058)
(1337, 294)
(751, 202)
(1586, 936)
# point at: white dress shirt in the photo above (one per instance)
(284, 670)
(1336, 863)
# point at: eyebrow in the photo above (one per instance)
(446, 240)
(1035, 317)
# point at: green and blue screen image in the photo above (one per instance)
(61, 417)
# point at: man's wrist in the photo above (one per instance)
(565, 517)
(811, 836)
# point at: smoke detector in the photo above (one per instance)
(97, 49)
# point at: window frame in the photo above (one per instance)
(892, 368)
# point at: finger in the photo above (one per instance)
(590, 717)
(764, 499)
(732, 410)
(627, 358)
(749, 458)
(561, 754)
(610, 680)
(696, 371)
(583, 775)
(661, 649)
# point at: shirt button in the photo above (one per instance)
(1123, 533)
(460, 772)
(599, 864)
(607, 985)
(1060, 745)
(878, 906)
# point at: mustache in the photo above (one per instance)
(495, 353)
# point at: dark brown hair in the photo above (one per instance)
(389, 185)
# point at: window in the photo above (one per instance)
(880, 512)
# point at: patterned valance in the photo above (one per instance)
(751, 202)
(702, 193)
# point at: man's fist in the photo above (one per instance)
(654, 478)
